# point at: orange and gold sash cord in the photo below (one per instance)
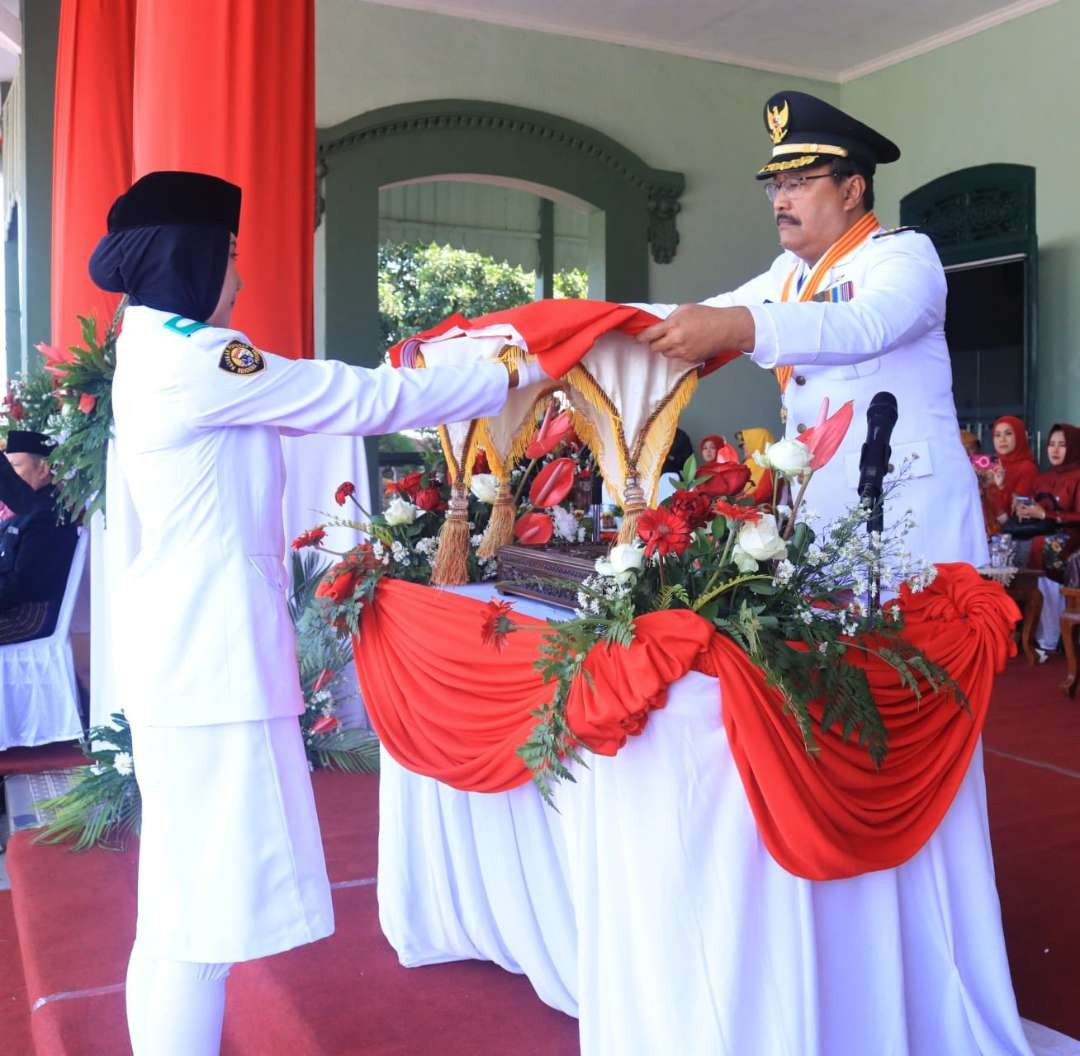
(854, 237)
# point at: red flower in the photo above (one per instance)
(344, 490)
(723, 478)
(534, 529)
(736, 513)
(87, 400)
(664, 532)
(312, 537)
(15, 410)
(339, 582)
(56, 359)
(480, 462)
(497, 626)
(552, 432)
(325, 677)
(407, 487)
(325, 724)
(692, 506)
(430, 499)
(553, 483)
(826, 434)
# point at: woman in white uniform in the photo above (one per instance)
(231, 863)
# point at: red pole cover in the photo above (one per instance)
(227, 87)
(91, 152)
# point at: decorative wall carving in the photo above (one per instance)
(661, 189)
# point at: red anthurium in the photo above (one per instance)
(534, 529)
(326, 676)
(553, 483)
(87, 401)
(325, 724)
(826, 434)
(552, 432)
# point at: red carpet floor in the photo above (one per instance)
(347, 994)
(14, 1006)
(60, 756)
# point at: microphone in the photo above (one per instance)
(874, 462)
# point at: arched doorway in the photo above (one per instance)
(478, 140)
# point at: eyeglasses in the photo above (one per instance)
(792, 186)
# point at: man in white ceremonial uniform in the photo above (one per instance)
(231, 864)
(846, 311)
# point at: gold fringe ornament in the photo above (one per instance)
(500, 527)
(451, 565)
(633, 507)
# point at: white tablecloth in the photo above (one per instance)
(649, 908)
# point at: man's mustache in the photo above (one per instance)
(789, 218)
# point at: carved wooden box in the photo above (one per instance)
(520, 568)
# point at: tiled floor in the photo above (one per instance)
(21, 792)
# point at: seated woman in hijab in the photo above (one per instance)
(1016, 470)
(753, 441)
(1056, 500)
(715, 448)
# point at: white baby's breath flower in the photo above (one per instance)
(784, 572)
(485, 486)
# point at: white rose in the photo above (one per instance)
(400, 512)
(790, 457)
(761, 540)
(622, 562)
(743, 561)
(485, 486)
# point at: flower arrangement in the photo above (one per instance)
(103, 806)
(30, 403)
(82, 378)
(792, 593)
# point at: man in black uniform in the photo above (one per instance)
(36, 546)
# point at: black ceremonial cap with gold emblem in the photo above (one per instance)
(807, 131)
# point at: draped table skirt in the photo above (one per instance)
(648, 907)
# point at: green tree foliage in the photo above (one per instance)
(419, 286)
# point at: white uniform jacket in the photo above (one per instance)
(886, 331)
(203, 634)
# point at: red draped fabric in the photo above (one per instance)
(446, 707)
(559, 332)
(91, 151)
(228, 87)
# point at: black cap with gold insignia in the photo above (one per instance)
(807, 131)
(162, 198)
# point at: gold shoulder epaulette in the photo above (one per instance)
(894, 231)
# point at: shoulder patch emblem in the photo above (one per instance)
(239, 358)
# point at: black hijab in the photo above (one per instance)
(168, 242)
(174, 267)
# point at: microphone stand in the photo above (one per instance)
(875, 522)
(873, 466)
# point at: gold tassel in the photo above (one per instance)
(500, 528)
(633, 508)
(451, 565)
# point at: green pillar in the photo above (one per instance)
(40, 24)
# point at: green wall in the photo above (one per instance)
(1007, 94)
(700, 118)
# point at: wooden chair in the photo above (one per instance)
(1070, 621)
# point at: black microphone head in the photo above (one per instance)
(883, 407)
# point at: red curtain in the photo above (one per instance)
(228, 87)
(449, 707)
(91, 151)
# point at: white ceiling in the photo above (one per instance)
(10, 39)
(833, 40)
